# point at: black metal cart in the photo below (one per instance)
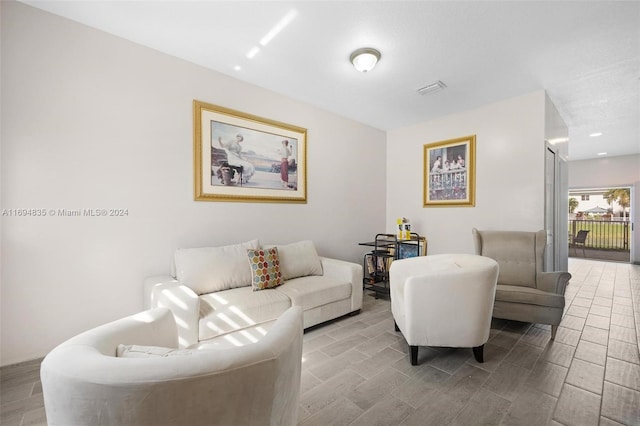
(386, 249)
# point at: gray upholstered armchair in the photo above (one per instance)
(524, 291)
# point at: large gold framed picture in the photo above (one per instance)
(242, 157)
(449, 173)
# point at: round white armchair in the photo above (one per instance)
(84, 383)
(444, 300)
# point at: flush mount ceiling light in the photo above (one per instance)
(365, 59)
(596, 134)
(432, 88)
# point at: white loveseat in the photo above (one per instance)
(214, 303)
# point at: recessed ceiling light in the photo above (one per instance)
(253, 52)
(286, 20)
(602, 153)
(237, 68)
(432, 88)
(596, 134)
(557, 140)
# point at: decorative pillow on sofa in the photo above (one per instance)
(138, 351)
(265, 268)
(210, 269)
(299, 260)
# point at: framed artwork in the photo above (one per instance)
(449, 173)
(242, 157)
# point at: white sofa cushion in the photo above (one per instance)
(246, 336)
(209, 269)
(299, 260)
(238, 308)
(313, 291)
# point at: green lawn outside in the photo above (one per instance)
(603, 235)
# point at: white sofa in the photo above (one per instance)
(85, 383)
(214, 303)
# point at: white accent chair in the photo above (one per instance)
(524, 293)
(443, 300)
(84, 383)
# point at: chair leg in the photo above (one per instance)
(478, 353)
(414, 355)
(395, 325)
(554, 329)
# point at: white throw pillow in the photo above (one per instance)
(210, 269)
(299, 260)
(137, 351)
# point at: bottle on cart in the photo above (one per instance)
(404, 228)
(407, 230)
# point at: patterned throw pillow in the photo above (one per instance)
(265, 268)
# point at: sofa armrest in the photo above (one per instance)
(553, 282)
(167, 292)
(345, 271)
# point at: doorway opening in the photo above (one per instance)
(599, 224)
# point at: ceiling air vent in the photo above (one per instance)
(432, 88)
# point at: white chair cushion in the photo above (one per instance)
(139, 351)
(238, 308)
(209, 269)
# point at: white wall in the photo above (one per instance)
(510, 153)
(93, 121)
(604, 172)
(611, 172)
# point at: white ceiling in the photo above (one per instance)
(586, 55)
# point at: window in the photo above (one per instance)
(585, 198)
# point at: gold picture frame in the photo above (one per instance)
(246, 158)
(449, 173)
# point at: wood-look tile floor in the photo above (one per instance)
(356, 370)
